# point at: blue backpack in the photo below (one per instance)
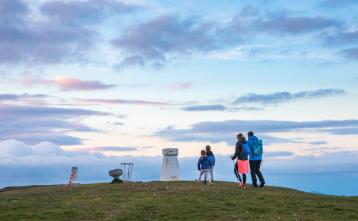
(211, 159)
(257, 148)
(246, 150)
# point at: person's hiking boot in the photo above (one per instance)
(254, 185)
(262, 184)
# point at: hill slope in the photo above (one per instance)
(172, 201)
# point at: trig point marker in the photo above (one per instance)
(170, 166)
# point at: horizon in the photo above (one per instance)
(95, 83)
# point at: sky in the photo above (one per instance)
(95, 83)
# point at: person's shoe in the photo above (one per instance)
(262, 184)
(244, 186)
(254, 185)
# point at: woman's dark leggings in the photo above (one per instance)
(238, 175)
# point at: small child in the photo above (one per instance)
(203, 167)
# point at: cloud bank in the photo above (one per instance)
(155, 41)
(283, 97)
(32, 124)
(54, 32)
(217, 107)
(225, 131)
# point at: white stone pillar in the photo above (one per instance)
(170, 166)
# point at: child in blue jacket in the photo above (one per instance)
(204, 167)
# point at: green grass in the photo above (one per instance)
(172, 201)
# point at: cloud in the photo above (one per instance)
(179, 86)
(122, 101)
(340, 38)
(282, 97)
(32, 124)
(68, 83)
(16, 97)
(155, 40)
(68, 31)
(278, 154)
(17, 148)
(337, 3)
(118, 123)
(224, 131)
(15, 111)
(255, 21)
(217, 107)
(344, 130)
(113, 149)
(351, 53)
(131, 61)
(348, 39)
(246, 109)
(319, 142)
(54, 32)
(295, 25)
(84, 12)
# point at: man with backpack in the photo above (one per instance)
(211, 159)
(256, 152)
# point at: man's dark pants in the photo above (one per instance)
(255, 171)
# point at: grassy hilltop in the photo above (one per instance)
(172, 201)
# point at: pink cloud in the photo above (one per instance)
(68, 83)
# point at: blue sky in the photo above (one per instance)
(112, 81)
